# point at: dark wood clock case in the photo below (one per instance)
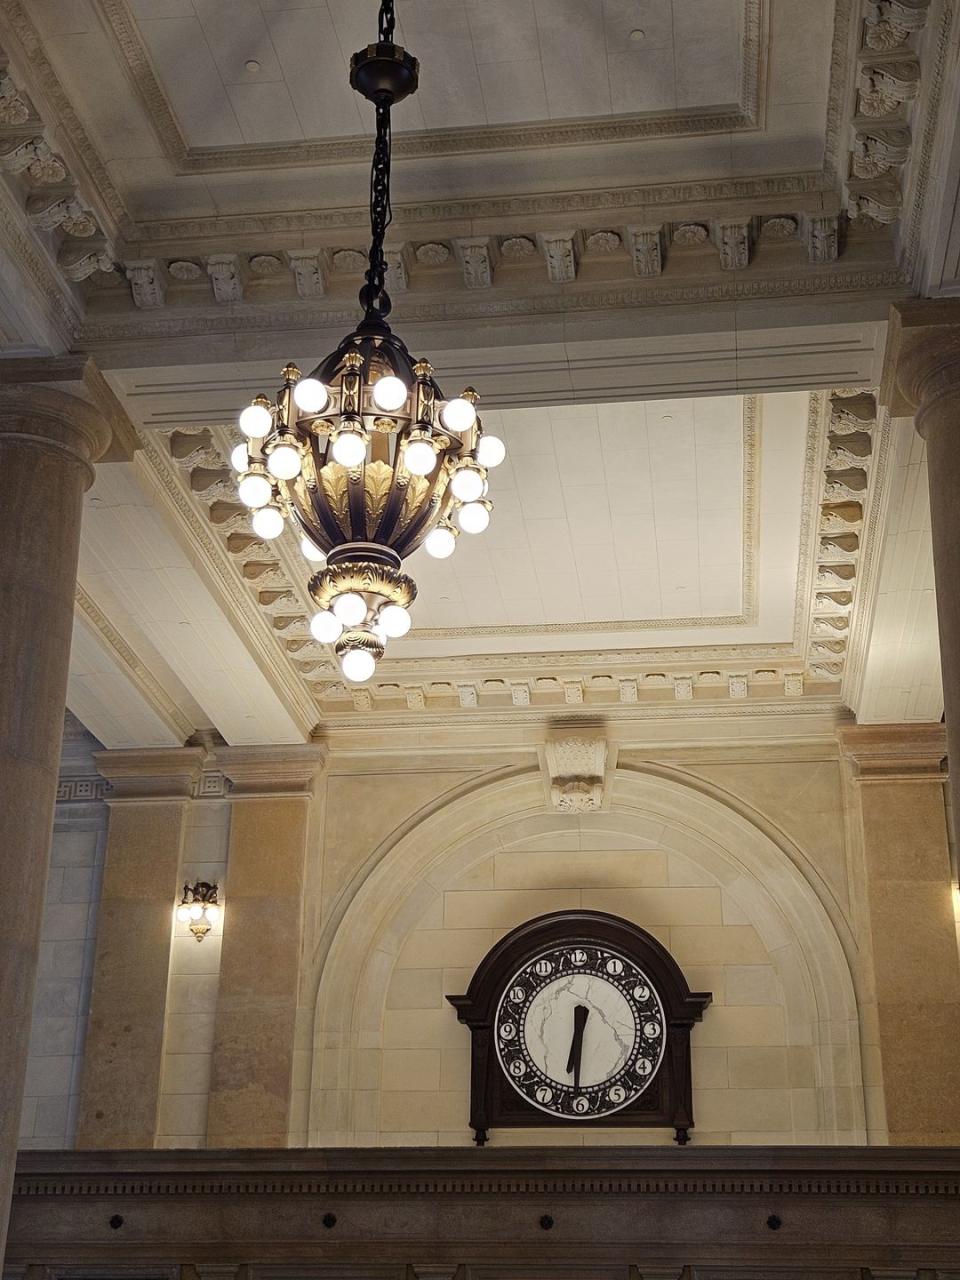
(668, 1099)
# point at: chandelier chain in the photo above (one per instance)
(381, 214)
(387, 22)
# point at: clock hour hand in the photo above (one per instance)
(580, 1014)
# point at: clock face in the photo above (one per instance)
(580, 1031)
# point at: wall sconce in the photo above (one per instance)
(199, 908)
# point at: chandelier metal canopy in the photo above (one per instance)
(364, 455)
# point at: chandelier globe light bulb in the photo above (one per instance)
(349, 448)
(268, 523)
(440, 542)
(473, 517)
(310, 551)
(326, 627)
(255, 489)
(466, 483)
(394, 620)
(358, 665)
(183, 913)
(284, 462)
(350, 608)
(458, 415)
(389, 393)
(491, 451)
(311, 396)
(420, 457)
(256, 420)
(240, 456)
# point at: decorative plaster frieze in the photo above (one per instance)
(224, 272)
(15, 108)
(603, 242)
(146, 283)
(309, 272)
(432, 254)
(476, 257)
(779, 228)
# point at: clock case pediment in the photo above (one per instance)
(667, 1102)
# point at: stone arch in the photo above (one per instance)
(760, 869)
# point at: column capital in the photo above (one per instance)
(154, 773)
(53, 419)
(922, 357)
(271, 771)
(895, 752)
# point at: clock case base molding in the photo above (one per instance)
(666, 1102)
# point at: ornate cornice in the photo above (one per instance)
(161, 470)
(895, 752)
(882, 1172)
(133, 668)
(173, 323)
(38, 267)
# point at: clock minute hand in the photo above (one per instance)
(580, 1014)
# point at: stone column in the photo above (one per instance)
(899, 781)
(149, 803)
(921, 377)
(254, 1026)
(48, 441)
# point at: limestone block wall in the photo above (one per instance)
(192, 988)
(61, 999)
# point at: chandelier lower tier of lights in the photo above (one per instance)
(364, 456)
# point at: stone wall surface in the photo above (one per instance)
(753, 866)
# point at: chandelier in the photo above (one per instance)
(364, 456)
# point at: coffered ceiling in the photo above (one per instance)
(664, 258)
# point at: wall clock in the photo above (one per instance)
(580, 1017)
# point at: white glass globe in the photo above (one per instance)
(420, 457)
(183, 913)
(196, 910)
(491, 451)
(440, 542)
(394, 620)
(473, 517)
(311, 396)
(358, 665)
(254, 490)
(389, 393)
(350, 608)
(212, 912)
(284, 461)
(311, 551)
(458, 415)
(349, 449)
(467, 484)
(255, 420)
(267, 523)
(326, 627)
(240, 457)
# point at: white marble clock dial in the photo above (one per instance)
(580, 1031)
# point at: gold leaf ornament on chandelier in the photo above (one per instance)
(364, 457)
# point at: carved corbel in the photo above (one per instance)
(852, 413)
(885, 86)
(49, 211)
(14, 107)
(33, 157)
(146, 283)
(78, 261)
(576, 765)
(398, 268)
(821, 235)
(877, 150)
(476, 255)
(880, 201)
(561, 251)
(890, 23)
(646, 249)
(734, 241)
(224, 272)
(309, 269)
